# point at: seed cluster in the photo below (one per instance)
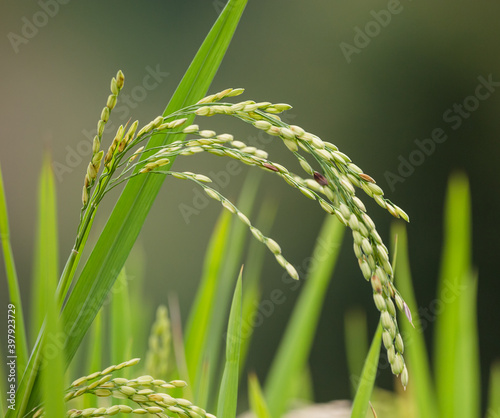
(145, 391)
(332, 184)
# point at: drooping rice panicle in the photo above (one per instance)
(145, 391)
(332, 179)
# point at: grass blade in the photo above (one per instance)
(200, 319)
(367, 380)
(46, 252)
(129, 214)
(233, 255)
(228, 393)
(13, 284)
(258, 403)
(295, 346)
(356, 343)
(467, 386)
(52, 369)
(454, 280)
(422, 386)
(253, 270)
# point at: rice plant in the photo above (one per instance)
(141, 157)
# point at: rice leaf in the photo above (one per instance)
(467, 386)
(367, 380)
(129, 214)
(46, 266)
(258, 403)
(200, 319)
(356, 343)
(94, 356)
(453, 282)
(295, 346)
(422, 386)
(232, 257)
(228, 393)
(13, 285)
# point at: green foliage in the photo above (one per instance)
(296, 344)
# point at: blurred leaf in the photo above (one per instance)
(120, 335)
(129, 214)
(420, 377)
(291, 358)
(46, 266)
(52, 366)
(361, 402)
(258, 403)
(454, 281)
(253, 272)
(356, 342)
(94, 360)
(201, 315)
(232, 258)
(13, 284)
(228, 393)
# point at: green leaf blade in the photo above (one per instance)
(367, 380)
(228, 393)
(295, 346)
(421, 384)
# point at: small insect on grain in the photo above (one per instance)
(320, 178)
(270, 167)
(366, 177)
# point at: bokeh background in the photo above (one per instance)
(373, 102)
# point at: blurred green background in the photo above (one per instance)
(412, 74)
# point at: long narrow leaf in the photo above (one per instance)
(296, 344)
(228, 393)
(125, 223)
(257, 401)
(253, 272)
(367, 380)
(46, 266)
(421, 384)
(21, 349)
(52, 369)
(120, 332)
(200, 320)
(233, 255)
(467, 386)
(455, 270)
